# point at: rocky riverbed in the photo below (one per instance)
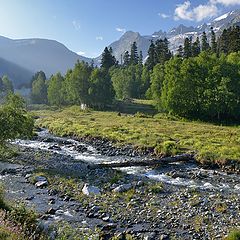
(177, 201)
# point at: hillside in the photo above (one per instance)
(35, 55)
(16, 73)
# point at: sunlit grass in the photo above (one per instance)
(209, 141)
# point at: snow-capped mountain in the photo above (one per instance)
(175, 36)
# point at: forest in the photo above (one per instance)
(200, 81)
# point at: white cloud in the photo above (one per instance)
(76, 25)
(100, 38)
(185, 12)
(163, 15)
(122, 30)
(81, 53)
(226, 2)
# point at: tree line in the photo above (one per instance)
(203, 69)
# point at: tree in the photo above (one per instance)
(223, 42)
(39, 89)
(100, 90)
(187, 48)
(7, 85)
(134, 54)
(205, 44)
(108, 60)
(151, 60)
(180, 51)
(196, 48)
(77, 83)
(126, 59)
(140, 59)
(55, 88)
(145, 82)
(14, 120)
(162, 51)
(157, 78)
(213, 41)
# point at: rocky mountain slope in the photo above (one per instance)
(175, 36)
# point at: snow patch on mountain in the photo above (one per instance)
(221, 17)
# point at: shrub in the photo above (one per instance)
(234, 235)
(167, 148)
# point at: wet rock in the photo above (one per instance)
(109, 226)
(52, 192)
(80, 148)
(237, 187)
(164, 237)
(123, 188)
(55, 147)
(9, 171)
(48, 140)
(106, 219)
(29, 198)
(40, 179)
(28, 175)
(150, 236)
(51, 211)
(41, 184)
(51, 201)
(90, 190)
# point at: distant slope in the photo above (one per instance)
(17, 74)
(39, 54)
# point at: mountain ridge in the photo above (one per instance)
(176, 35)
(35, 54)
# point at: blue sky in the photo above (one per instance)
(87, 26)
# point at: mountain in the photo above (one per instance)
(37, 54)
(175, 36)
(19, 75)
(21, 58)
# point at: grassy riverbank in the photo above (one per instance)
(212, 143)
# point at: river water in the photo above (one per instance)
(182, 174)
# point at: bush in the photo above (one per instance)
(167, 148)
(234, 235)
(14, 120)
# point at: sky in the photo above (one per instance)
(87, 26)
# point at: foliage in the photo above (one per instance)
(233, 235)
(7, 85)
(100, 90)
(39, 88)
(55, 88)
(108, 60)
(213, 83)
(14, 120)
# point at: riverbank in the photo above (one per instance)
(144, 134)
(180, 202)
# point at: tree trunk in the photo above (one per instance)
(140, 163)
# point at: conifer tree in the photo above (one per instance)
(108, 60)
(187, 48)
(223, 42)
(180, 51)
(213, 42)
(151, 60)
(205, 44)
(196, 48)
(126, 59)
(140, 59)
(134, 54)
